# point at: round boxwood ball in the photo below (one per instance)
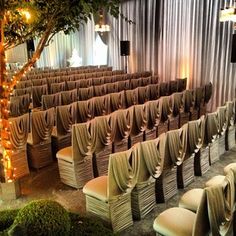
(43, 217)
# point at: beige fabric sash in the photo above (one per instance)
(152, 109)
(65, 116)
(138, 117)
(51, 100)
(176, 103)
(164, 108)
(211, 127)
(42, 125)
(19, 129)
(222, 121)
(188, 100)
(122, 173)
(68, 97)
(120, 124)
(81, 142)
(85, 110)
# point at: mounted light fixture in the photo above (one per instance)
(101, 26)
(228, 11)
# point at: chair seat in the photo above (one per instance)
(191, 199)
(175, 222)
(65, 154)
(228, 167)
(218, 179)
(97, 188)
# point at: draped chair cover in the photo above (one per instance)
(19, 128)
(68, 97)
(122, 174)
(230, 113)
(211, 127)
(37, 92)
(38, 82)
(14, 106)
(98, 81)
(222, 119)
(42, 125)
(138, 116)
(134, 83)
(57, 87)
(120, 124)
(100, 90)
(208, 92)
(196, 134)
(131, 97)
(117, 101)
(85, 110)
(188, 100)
(173, 86)
(198, 97)
(65, 116)
(51, 100)
(153, 91)
(146, 81)
(123, 85)
(86, 93)
(101, 132)
(84, 83)
(143, 95)
(108, 79)
(182, 83)
(70, 85)
(111, 88)
(163, 89)
(101, 105)
(24, 84)
(19, 92)
(164, 108)
(64, 78)
(176, 100)
(152, 109)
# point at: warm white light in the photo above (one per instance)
(102, 28)
(228, 15)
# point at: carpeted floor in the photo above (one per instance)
(45, 183)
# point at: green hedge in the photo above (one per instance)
(7, 218)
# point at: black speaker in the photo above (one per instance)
(233, 54)
(124, 48)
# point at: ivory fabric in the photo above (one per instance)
(122, 173)
(65, 116)
(101, 105)
(85, 110)
(176, 103)
(68, 97)
(143, 95)
(19, 129)
(51, 100)
(117, 101)
(211, 127)
(221, 117)
(152, 109)
(42, 125)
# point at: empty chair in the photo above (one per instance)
(85, 93)
(75, 162)
(146, 80)
(222, 126)
(173, 86)
(131, 97)
(163, 89)
(109, 197)
(135, 83)
(123, 85)
(111, 88)
(19, 129)
(117, 101)
(207, 96)
(68, 97)
(176, 106)
(101, 105)
(39, 148)
(98, 81)
(138, 124)
(100, 90)
(211, 136)
(37, 92)
(153, 91)
(23, 84)
(108, 79)
(143, 197)
(120, 129)
(19, 105)
(51, 100)
(230, 132)
(38, 82)
(164, 112)
(19, 92)
(198, 98)
(52, 80)
(117, 72)
(152, 109)
(64, 78)
(101, 133)
(65, 117)
(155, 79)
(179, 221)
(85, 110)
(182, 84)
(185, 113)
(57, 87)
(143, 95)
(85, 83)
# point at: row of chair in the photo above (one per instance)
(151, 171)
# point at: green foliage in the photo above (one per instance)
(84, 226)
(42, 217)
(7, 218)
